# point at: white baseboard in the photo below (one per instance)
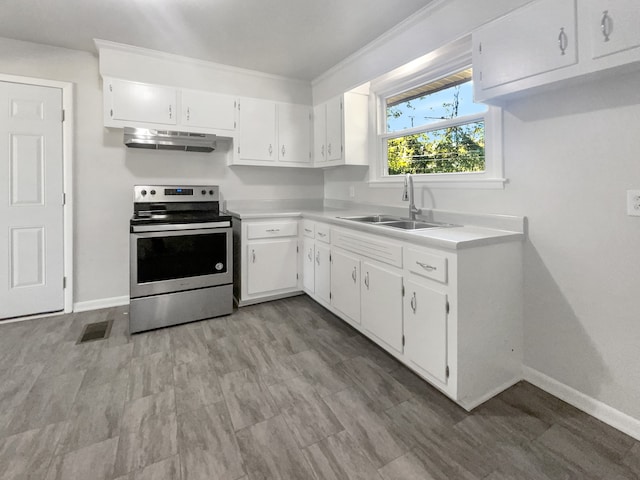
(603, 412)
(100, 303)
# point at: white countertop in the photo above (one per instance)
(465, 236)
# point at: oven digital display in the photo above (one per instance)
(178, 191)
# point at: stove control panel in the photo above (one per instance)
(175, 193)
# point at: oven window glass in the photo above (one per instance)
(181, 256)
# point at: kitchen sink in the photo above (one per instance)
(396, 222)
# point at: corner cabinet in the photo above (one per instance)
(452, 316)
(144, 105)
(340, 131)
(266, 263)
(273, 134)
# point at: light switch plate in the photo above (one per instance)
(633, 203)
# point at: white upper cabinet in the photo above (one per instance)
(614, 26)
(208, 110)
(538, 38)
(274, 134)
(132, 102)
(257, 142)
(340, 131)
(294, 133)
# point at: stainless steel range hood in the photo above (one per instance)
(168, 140)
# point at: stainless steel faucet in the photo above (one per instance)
(407, 195)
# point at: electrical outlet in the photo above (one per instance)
(352, 191)
(633, 203)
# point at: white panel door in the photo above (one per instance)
(334, 129)
(31, 185)
(294, 133)
(345, 284)
(382, 304)
(257, 130)
(322, 278)
(208, 110)
(308, 262)
(272, 266)
(425, 329)
(141, 102)
(615, 26)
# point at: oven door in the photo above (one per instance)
(177, 260)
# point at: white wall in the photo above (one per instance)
(105, 171)
(569, 157)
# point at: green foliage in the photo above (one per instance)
(453, 149)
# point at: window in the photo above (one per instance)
(435, 128)
(428, 124)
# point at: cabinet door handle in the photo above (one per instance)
(320, 234)
(366, 280)
(318, 257)
(310, 256)
(427, 267)
(270, 149)
(322, 151)
(353, 275)
(563, 41)
(606, 25)
(283, 150)
(414, 302)
(329, 149)
(253, 256)
(188, 114)
(170, 112)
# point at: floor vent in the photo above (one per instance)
(95, 331)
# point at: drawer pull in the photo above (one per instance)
(414, 302)
(308, 230)
(427, 267)
(366, 280)
(320, 234)
(310, 256)
(273, 229)
(353, 275)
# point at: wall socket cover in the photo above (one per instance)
(633, 203)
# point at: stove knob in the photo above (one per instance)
(204, 192)
(143, 192)
(153, 192)
(210, 192)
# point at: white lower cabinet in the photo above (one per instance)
(265, 260)
(425, 330)
(272, 266)
(345, 284)
(381, 303)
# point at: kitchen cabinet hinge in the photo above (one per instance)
(403, 292)
(235, 104)
(238, 149)
(447, 307)
(446, 371)
(480, 47)
(403, 340)
(297, 248)
(63, 115)
(64, 199)
(234, 124)
(238, 106)
(329, 295)
(297, 276)
(480, 75)
(64, 282)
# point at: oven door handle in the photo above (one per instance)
(171, 227)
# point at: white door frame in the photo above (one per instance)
(67, 162)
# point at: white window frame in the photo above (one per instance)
(410, 76)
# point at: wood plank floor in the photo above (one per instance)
(281, 390)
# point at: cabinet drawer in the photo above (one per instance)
(270, 230)
(308, 228)
(426, 264)
(323, 232)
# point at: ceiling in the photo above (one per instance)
(294, 38)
